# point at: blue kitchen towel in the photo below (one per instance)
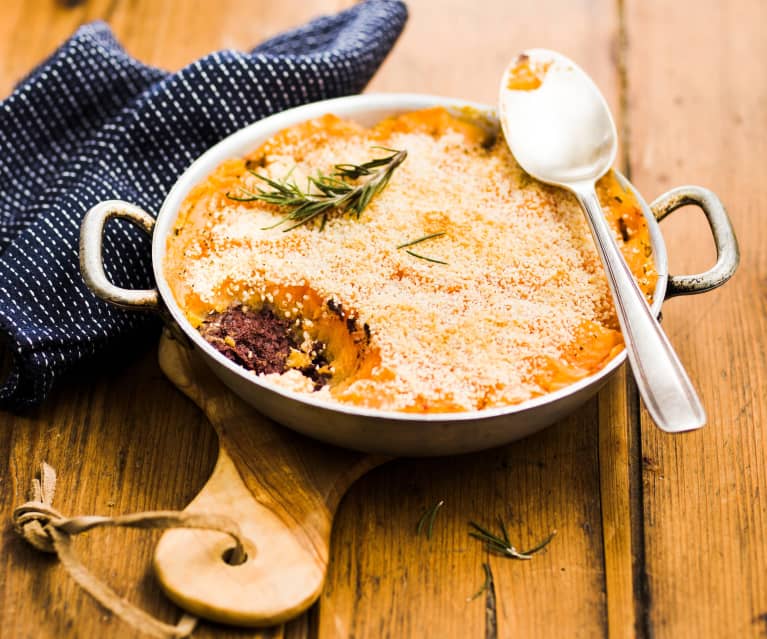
(91, 123)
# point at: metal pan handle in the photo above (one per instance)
(727, 253)
(92, 264)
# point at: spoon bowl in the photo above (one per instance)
(568, 133)
(560, 130)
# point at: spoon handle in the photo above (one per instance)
(663, 383)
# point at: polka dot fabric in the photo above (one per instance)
(91, 123)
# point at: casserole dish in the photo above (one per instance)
(373, 430)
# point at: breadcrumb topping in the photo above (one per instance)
(515, 303)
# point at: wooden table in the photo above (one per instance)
(659, 536)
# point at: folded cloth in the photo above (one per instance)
(91, 123)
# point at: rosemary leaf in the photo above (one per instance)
(484, 586)
(247, 197)
(325, 193)
(432, 516)
(503, 531)
(422, 239)
(501, 545)
(354, 171)
(541, 545)
(423, 257)
(429, 516)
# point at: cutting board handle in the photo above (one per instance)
(281, 488)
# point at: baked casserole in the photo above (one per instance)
(461, 284)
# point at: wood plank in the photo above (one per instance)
(115, 452)
(620, 488)
(386, 581)
(698, 109)
(619, 435)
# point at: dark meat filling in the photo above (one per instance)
(260, 341)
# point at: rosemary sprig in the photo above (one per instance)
(501, 545)
(429, 516)
(326, 193)
(484, 586)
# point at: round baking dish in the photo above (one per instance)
(376, 431)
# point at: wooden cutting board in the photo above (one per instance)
(283, 490)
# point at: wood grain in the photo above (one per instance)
(385, 580)
(658, 536)
(616, 505)
(698, 109)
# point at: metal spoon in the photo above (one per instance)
(561, 132)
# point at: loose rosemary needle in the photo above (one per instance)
(325, 193)
(422, 239)
(418, 241)
(485, 585)
(428, 516)
(424, 257)
(501, 544)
